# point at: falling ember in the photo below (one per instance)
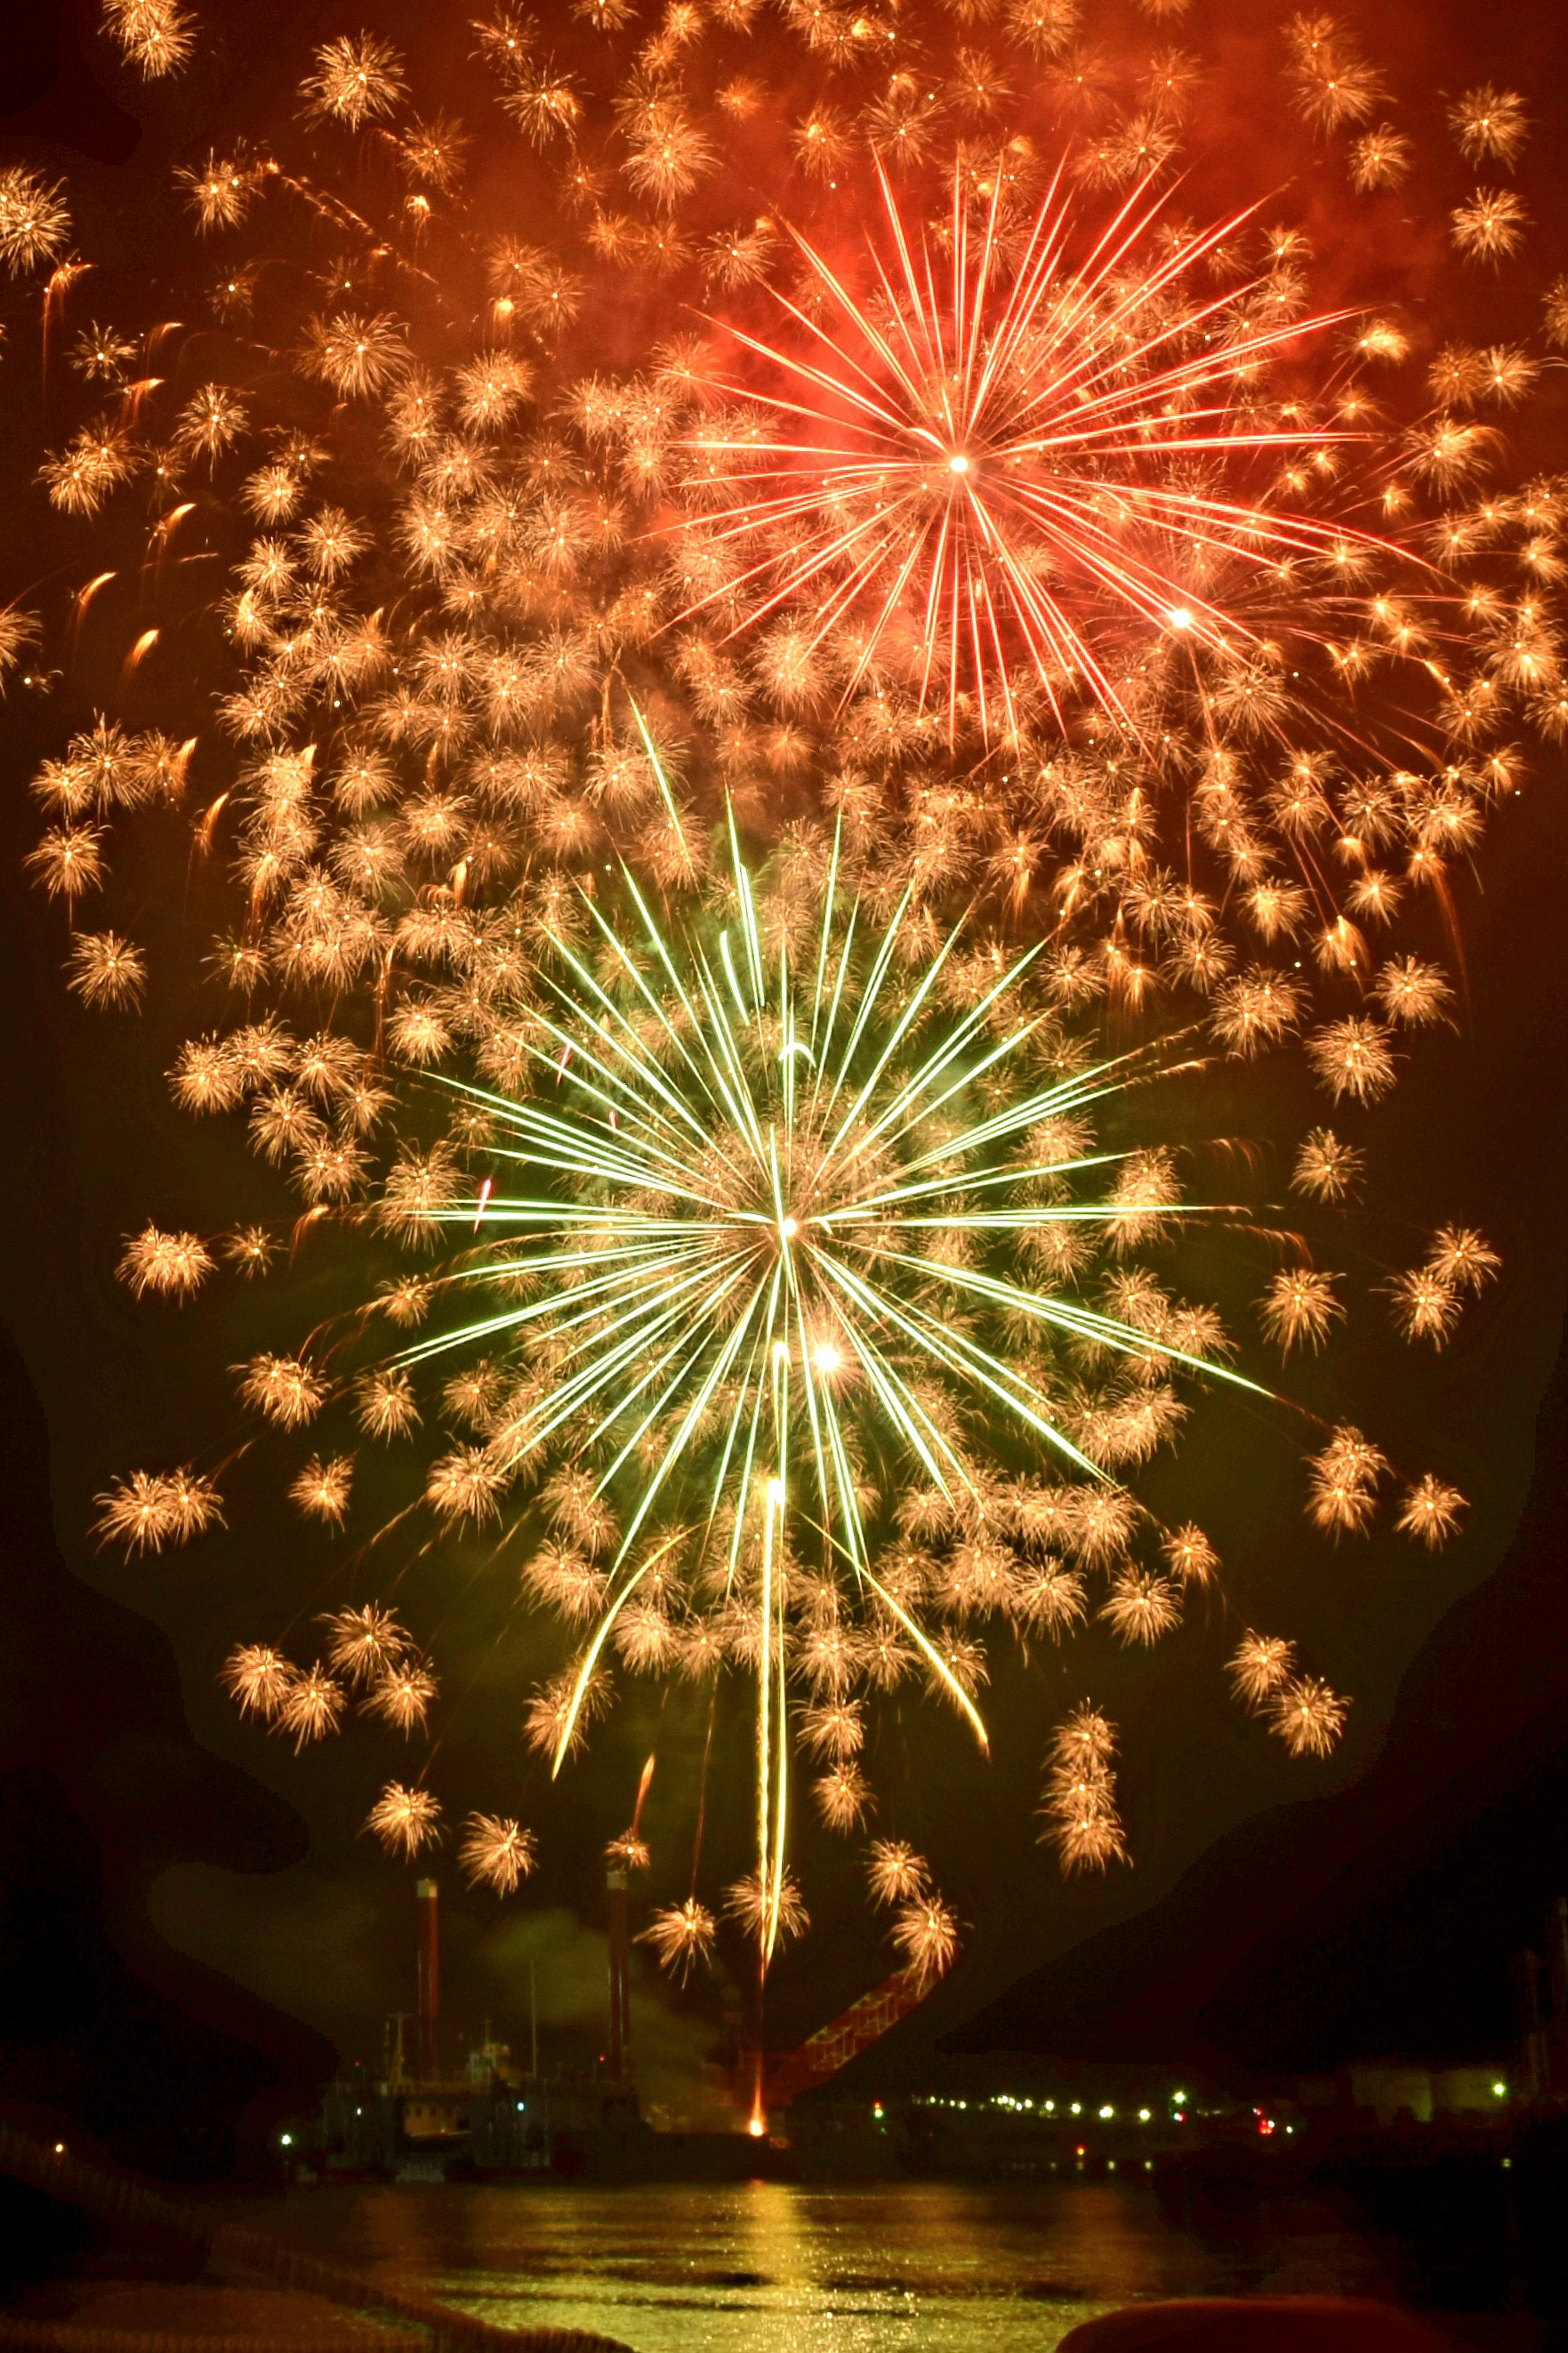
(84, 596)
(496, 1852)
(926, 1932)
(681, 1935)
(645, 1784)
(405, 1820)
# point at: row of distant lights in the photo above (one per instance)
(999, 2100)
(1106, 2114)
(1046, 2107)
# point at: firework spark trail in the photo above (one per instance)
(991, 438)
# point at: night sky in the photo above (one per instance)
(174, 1883)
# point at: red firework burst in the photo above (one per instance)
(999, 463)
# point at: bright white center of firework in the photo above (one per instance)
(789, 1229)
(1179, 617)
(958, 463)
(776, 1494)
(826, 1358)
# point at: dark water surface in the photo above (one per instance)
(771, 2267)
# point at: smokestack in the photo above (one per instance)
(1533, 2049)
(620, 1976)
(1557, 1930)
(425, 1893)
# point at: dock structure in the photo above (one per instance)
(423, 2128)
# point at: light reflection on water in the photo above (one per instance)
(771, 2267)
